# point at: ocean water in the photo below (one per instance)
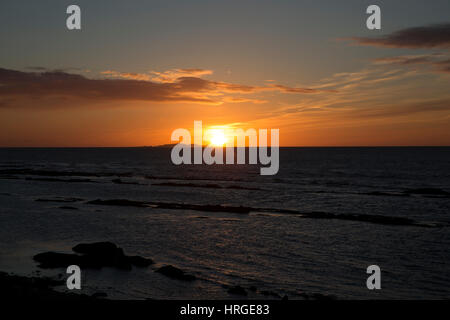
(313, 228)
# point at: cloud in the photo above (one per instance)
(405, 109)
(434, 60)
(432, 36)
(195, 75)
(286, 89)
(242, 100)
(126, 75)
(404, 60)
(61, 85)
(174, 74)
(443, 65)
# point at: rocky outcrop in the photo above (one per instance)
(175, 273)
(92, 255)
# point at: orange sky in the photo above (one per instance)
(340, 86)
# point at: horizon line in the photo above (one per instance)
(170, 145)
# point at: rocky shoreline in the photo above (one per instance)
(36, 288)
(106, 254)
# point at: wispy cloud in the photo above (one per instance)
(174, 74)
(126, 75)
(438, 61)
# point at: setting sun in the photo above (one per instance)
(216, 137)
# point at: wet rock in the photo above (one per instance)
(174, 206)
(56, 260)
(119, 202)
(92, 255)
(428, 191)
(139, 261)
(68, 208)
(40, 288)
(120, 181)
(58, 199)
(60, 180)
(237, 290)
(103, 254)
(96, 248)
(198, 207)
(387, 194)
(175, 273)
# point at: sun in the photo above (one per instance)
(216, 137)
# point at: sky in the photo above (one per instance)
(138, 70)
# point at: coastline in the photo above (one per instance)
(36, 288)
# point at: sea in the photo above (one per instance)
(309, 232)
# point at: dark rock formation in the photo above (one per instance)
(58, 199)
(120, 181)
(56, 260)
(19, 287)
(175, 273)
(119, 202)
(428, 191)
(96, 248)
(92, 255)
(139, 261)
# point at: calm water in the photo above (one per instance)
(275, 250)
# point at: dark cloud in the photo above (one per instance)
(63, 85)
(36, 68)
(433, 36)
(57, 83)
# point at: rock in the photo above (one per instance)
(120, 181)
(237, 290)
(38, 289)
(60, 180)
(56, 260)
(175, 273)
(96, 248)
(120, 260)
(428, 191)
(319, 296)
(58, 199)
(139, 261)
(92, 255)
(68, 208)
(119, 202)
(104, 254)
